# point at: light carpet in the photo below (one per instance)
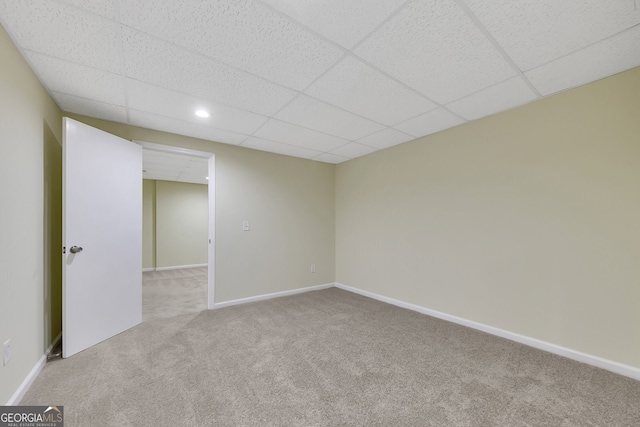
(170, 293)
(326, 358)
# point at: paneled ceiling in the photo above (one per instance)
(327, 80)
(165, 166)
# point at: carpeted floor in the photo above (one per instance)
(170, 293)
(326, 358)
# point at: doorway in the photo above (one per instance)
(178, 231)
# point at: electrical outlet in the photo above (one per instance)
(313, 268)
(6, 353)
(245, 225)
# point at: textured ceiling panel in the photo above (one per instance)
(608, 57)
(144, 97)
(436, 48)
(244, 34)
(357, 87)
(317, 115)
(353, 150)
(279, 148)
(505, 95)
(193, 175)
(152, 121)
(160, 63)
(90, 108)
(276, 130)
(99, 7)
(174, 167)
(64, 32)
(159, 175)
(197, 166)
(344, 22)
(177, 161)
(330, 158)
(386, 138)
(320, 79)
(431, 122)
(536, 32)
(73, 79)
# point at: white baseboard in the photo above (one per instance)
(609, 365)
(146, 270)
(26, 384)
(270, 296)
(179, 267)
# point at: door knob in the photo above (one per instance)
(75, 249)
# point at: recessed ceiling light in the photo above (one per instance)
(203, 113)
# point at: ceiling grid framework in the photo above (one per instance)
(326, 80)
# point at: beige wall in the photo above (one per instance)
(289, 202)
(30, 155)
(148, 223)
(180, 218)
(182, 224)
(525, 221)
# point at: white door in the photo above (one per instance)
(102, 235)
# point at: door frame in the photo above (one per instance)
(211, 255)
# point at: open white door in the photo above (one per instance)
(102, 235)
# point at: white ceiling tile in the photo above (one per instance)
(65, 32)
(356, 87)
(244, 34)
(386, 138)
(434, 47)
(151, 63)
(330, 158)
(431, 122)
(157, 172)
(78, 80)
(188, 176)
(508, 94)
(199, 165)
(352, 150)
(159, 169)
(87, 107)
(99, 7)
(153, 121)
(279, 147)
(317, 115)
(167, 166)
(163, 102)
(536, 32)
(159, 176)
(275, 130)
(603, 59)
(163, 158)
(344, 22)
(154, 61)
